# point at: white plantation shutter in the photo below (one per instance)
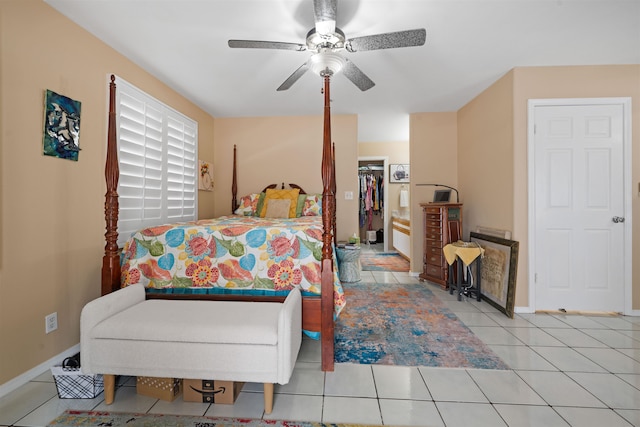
(157, 149)
(181, 168)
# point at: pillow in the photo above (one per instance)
(300, 205)
(278, 208)
(248, 205)
(312, 205)
(260, 204)
(281, 194)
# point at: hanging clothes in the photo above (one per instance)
(364, 200)
(381, 195)
(371, 186)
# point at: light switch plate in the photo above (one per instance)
(348, 195)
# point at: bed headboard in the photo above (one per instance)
(234, 187)
(294, 186)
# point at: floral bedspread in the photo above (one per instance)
(232, 252)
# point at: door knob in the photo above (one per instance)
(617, 219)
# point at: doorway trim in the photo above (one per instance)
(627, 192)
(385, 196)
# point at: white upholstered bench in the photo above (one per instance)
(123, 334)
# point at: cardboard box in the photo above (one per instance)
(160, 388)
(211, 391)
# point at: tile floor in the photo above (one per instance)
(567, 370)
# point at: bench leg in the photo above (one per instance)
(109, 388)
(268, 397)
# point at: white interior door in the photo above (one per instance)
(579, 207)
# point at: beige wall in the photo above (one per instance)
(485, 158)
(570, 82)
(52, 222)
(286, 149)
(492, 156)
(398, 153)
(433, 154)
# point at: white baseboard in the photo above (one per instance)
(633, 313)
(24, 378)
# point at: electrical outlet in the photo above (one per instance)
(348, 195)
(51, 323)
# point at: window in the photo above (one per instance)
(157, 149)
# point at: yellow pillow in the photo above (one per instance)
(278, 208)
(282, 194)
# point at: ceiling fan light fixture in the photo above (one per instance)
(325, 27)
(317, 41)
(327, 42)
(326, 63)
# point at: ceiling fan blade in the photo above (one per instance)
(294, 77)
(325, 16)
(387, 41)
(259, 44)
(358, 78)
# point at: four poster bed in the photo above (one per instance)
(236, 257)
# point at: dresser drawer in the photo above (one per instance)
(433, 233)
(436, 272)
(436, 259)
(435, 244)
(434, 217)
(433, 250)
(434, 224)
(432, 210)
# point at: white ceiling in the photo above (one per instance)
(470, 44)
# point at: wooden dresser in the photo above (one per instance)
(442, 225)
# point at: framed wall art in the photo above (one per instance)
(498, 273)
(61, 136)
(399, 173)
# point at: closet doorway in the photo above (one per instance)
(373, 213)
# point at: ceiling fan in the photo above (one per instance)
(327, 41)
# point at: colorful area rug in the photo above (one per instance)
(73, 418)
(406, 325)
(383, 261)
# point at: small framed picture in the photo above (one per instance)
(398, 173)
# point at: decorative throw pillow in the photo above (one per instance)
(312, 205)
(248, 205)
(278, 208)
(260, 205)
(300, 205)
(281, 194)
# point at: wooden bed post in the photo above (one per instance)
(234, 184)
(111, 280)
(111, 259)
(334, 228)
(328, 205)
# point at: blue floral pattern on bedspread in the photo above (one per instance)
(230, 252)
